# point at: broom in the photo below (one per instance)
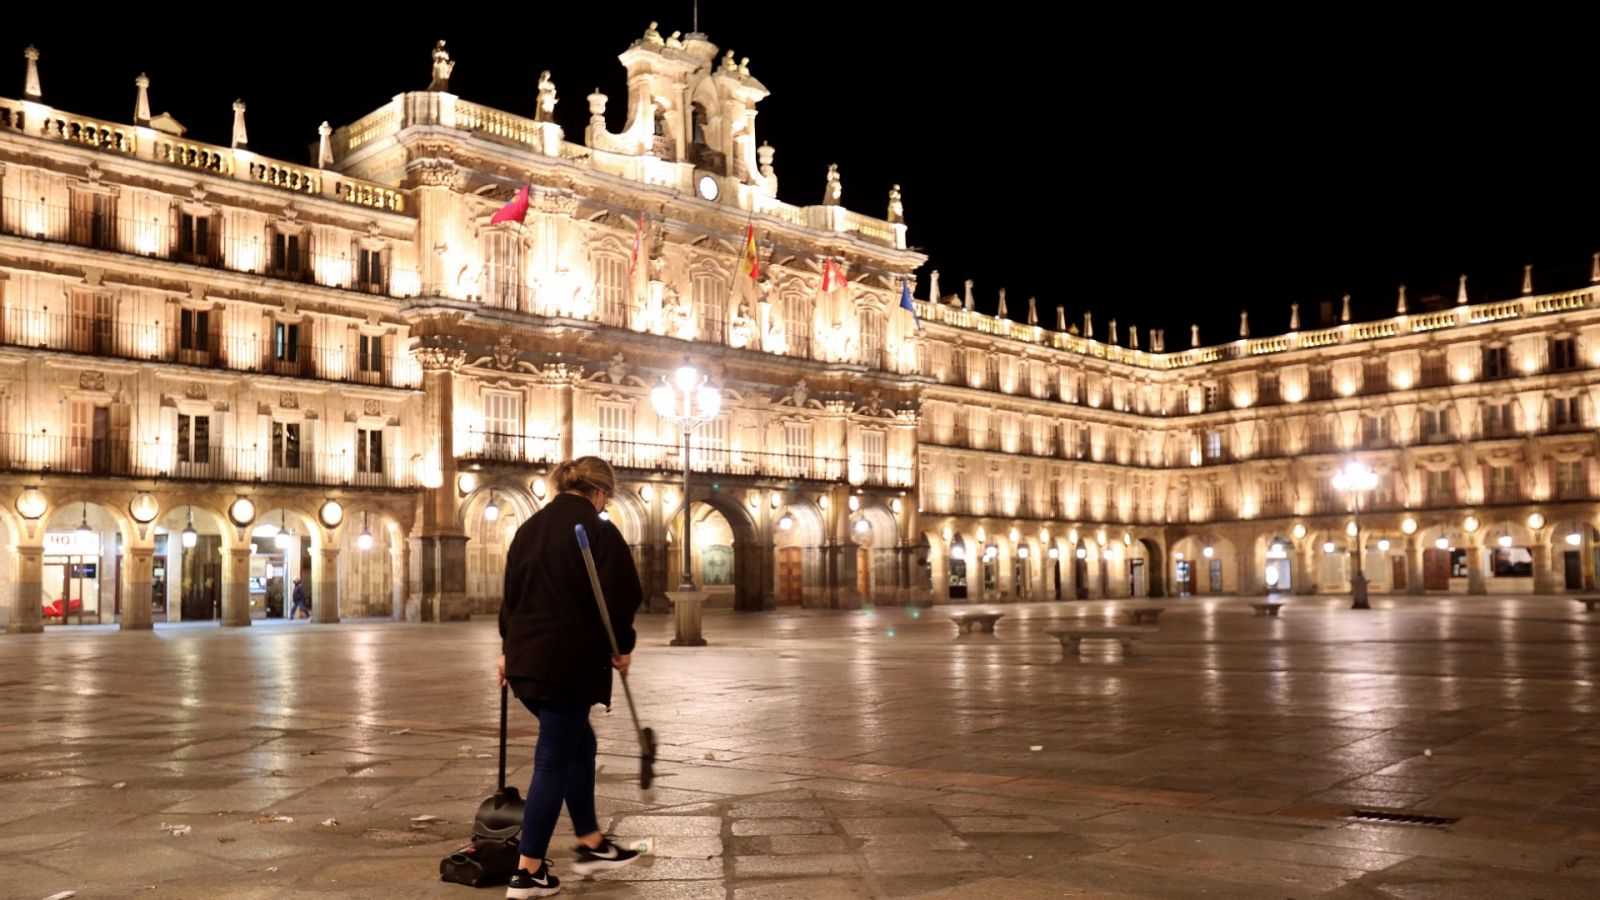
(647, 737)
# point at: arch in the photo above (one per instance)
(1572, 546)
(489, 540)
(371, 579)
(628, 512)
(746, 584)
(876, 537)
(1155, 566)
(1209, 564)
(187, 583)
(283, 564)
(1274, 555)
(80, 575)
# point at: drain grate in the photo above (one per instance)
(1390, 817)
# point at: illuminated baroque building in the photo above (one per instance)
(220, 372)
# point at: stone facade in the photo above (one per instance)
(220, 372)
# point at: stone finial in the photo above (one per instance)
(764, 155)
(1158, 340)
(30, 84)
(241, 140)
(1244, 323)
(933, 286)
(1400, 303)
(1061, 318)
(545, 107)
(1088, 325)
(141, 101)
(1527, 280)
(1294, 317)
(1000, 313)
(1133, 337)
(1344, 309)
(1194, 335)
(1461, 291)
(442, 67)
(1594, 269)
(1033, 310)
(324, 145)
(966, 299)
(832, 189)
(897, 210)
(1113, 330)
(597, 107)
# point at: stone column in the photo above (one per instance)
(1305, 577)
(27, 592)
(1475, 583)
(236, 586)
(325, 587)
(138, 565)
(1245, 576)
(564, 415)
(438, 557)
(1543, 583)
(1414, 566)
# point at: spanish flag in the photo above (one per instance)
(832, 278)
(515, 211)
(751, 264)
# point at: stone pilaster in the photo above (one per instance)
(325, 599)
(236, 587)
(137, 569)
(27, 592)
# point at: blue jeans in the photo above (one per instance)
(563, 770)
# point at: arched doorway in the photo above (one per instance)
(371, 576)
(82, 565)
(726, 561)
(797, 541)
(490, 517)
(186, 571)
(281, 545)
(1155, 568)
(1573, 548)
(874, 534)
(956, 568)
(1277, 554)
(1205, 564)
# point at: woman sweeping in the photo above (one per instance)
(558, 662)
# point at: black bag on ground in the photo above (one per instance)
(491, 857)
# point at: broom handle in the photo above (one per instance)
(605, 614)
(503, 692)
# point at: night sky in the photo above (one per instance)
(1146, 166)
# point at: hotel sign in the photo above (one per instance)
(71, 543)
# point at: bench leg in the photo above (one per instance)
(988, 627)
(1127, 647)
(1073, 646)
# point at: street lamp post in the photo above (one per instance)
(1357, 480)
(687, 401)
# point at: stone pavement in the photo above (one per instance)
(814, 754)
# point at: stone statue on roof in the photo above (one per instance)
(546, 110)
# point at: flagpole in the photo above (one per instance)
(733, 278)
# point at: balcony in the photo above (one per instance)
(124, 458)
(203, 348)
(649, 457)
(497, 447)
(160, 238)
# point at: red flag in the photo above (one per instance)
(751, 265)
(515, 211)
(637, 238)
(832, 278)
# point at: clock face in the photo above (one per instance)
(708, 187)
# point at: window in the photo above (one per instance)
(194, 439)
(286, 342)
(1268, 388)
(502, 424)
(286, 445)
(1436, 425)
(611, 289)
(873, 458)
(710, 307)
(502, 269)
(93, 219)
(1502, 484)
(194, 330)
(870, 324)
(615, 431)
(797, 449)
(1570, 480)
(1494, 363)
(1375, 430)
(1322, 433)
(963, 492)
(994, 493)
(1564, 413)
(1375, 376)
(288, 260)
(369, 270)
(1458, 563)
(1321, 384)
(1218, 504)
(1273, 501)
(1433, 369)
(711, 446)
(1440, 486)
(196, 235)
(991, 378)
(1213, 443)
(370, 357)
(1563, 354)
(1497, 419)
(797, 324)
(369, 450)
(1210, 398)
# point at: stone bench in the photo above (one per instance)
(1144, 615)
(1589, 603)
(1072, 638)
(1266, 609)
(966, 621)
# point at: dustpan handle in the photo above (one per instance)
(503, 693)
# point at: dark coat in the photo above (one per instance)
(550, 629)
